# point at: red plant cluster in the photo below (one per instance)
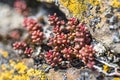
(19, 45)
(87, 55)
(28, 51)
(54, 20)
(69, 39)
(21, 7)
(35, 30)
(53, 58)
(36, 34)
(23, 46)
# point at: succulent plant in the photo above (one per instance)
(31, 24)
(24, 47)
(70, 39)
(19, 45)
(34, 29)
(53, 58)
(28, 51)
(86, 54)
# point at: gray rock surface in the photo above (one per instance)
(9, 19)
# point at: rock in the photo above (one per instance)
(107, 21)
(115, 47)
(105, 36)
(47, 69)
(108, 15)
(113, 27)
(28, 61)
(116, 37)
(109, 10)
(54, 75)
(9, 19)
(90, 7)
(95, 21)
(86, 74)
(113, 19)
(99, 48)
(64, 77)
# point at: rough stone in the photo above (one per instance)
(104, 35)
(28, 61)
(113, 27)
(9, 19)
(116, 37)
(108, 15)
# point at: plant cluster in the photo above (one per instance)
(24, 47)
(34, 29)
(35, 32)
(70, 40)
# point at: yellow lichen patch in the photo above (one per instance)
(3, 67)
(7, 75)
(20, 67)
(106, 68)
(33, 72)
(19, 71)
(44, 66)
(4, 53)
(115, 3)
(116, 79)
(42, 76)
(94, 2)
(12, 63)
(74, 6)
(21, 77)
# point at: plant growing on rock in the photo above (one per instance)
(70, 39)
(86, 54)
(24, 47)
(53, 58)
(34, 29)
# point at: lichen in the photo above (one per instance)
(76, 7)
(19, 71)
(115, 3)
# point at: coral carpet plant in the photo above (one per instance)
(70, 40)
(35, 31)
(24, 47)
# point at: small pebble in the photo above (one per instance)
(113, 27)
(47, 69)
(116, 37)
(99, 48)
(108, 15)
(64, 77)
(113, 19)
